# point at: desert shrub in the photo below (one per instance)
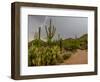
(78, 43)
(71, 44)
(66, 55)
(83, 41)
(83, 44)
(44, 56)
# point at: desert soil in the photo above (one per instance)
(79, 57)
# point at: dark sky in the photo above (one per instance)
(67, 27)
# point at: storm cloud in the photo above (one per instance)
(66, 26)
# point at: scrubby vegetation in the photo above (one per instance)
(52, 52)
(78, 43)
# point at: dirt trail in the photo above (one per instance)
(79, 57)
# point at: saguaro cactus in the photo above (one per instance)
(61, 44)
(39, 32)
(50, 31)
(37, 36)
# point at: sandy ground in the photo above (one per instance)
(79, 57)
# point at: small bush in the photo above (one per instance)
(44, 56)
(66, 55)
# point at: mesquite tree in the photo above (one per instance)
(50, 31)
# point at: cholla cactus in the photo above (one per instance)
(50, 31)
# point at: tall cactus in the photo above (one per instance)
(39, 32)
(50, 31)
(61, 44)
(37, 36)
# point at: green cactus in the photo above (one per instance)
(37, 36)
(39, 32)
(50, 31)
(40, 56)
(61, 44)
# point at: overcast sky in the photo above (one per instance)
(67, 27)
